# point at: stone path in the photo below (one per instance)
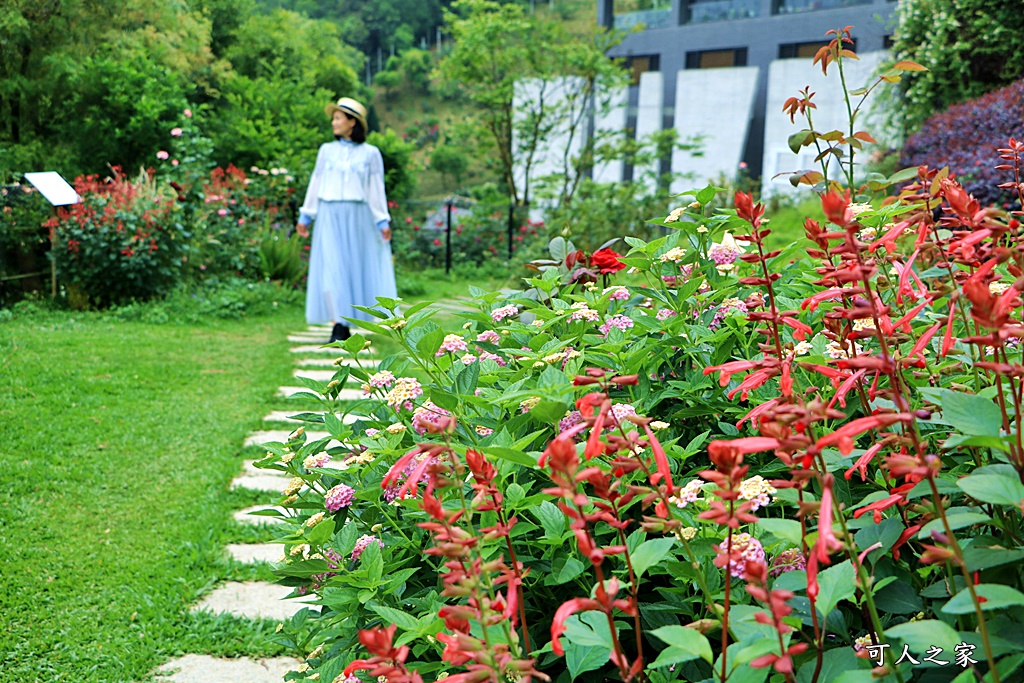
(258, 599)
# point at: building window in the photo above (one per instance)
(794, 6)
(807, 50)
(642, 64)
(716, 59)
(647, 13)
(699, 11)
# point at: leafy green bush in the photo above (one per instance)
(281, 258)
(802, 463)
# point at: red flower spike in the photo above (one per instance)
(837, 208)
(660, 460)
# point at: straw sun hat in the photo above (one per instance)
(350, 107)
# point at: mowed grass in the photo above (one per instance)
(117, 445)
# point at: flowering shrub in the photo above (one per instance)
(965, 138)
(803, 464)
(124, 241)
(238, 223)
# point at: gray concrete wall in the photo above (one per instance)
(761, 36)
(612, 121)
(716, 104)
(649, 120)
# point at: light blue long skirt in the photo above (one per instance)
(350, 264)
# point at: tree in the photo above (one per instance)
(416, 66)
(970, 47)
(86, 83)
(450, 162)
(496, 47)
(287, 68)
(389, 81)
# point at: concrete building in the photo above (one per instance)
(722, 68)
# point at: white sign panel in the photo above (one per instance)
(54, 188)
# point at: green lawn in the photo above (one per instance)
(117, 444)
(118, 439)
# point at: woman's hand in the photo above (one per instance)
(386, 234)
(302, 230)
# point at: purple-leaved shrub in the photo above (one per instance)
(966, 137)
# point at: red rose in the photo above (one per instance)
(606, 261)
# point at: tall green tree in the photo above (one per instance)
(287, 67)
(499, 48)
(970, 47)
(87, 83)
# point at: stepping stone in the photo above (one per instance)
(369, 363)
(245, 515)
(249, 467)
(253, 600)
(309, 338)
(248, 553)
(280, 436)
(285, 416)
(343, 395)
(207, 669)
(318, 375)
(315, 348)
(271, 483)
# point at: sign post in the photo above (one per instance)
(56, 191)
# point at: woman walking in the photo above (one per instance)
(350, 260)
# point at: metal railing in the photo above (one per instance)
(795, 6)
(652, 18)
(703, 11)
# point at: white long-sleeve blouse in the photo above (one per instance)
(347, 172)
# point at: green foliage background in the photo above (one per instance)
(970, 47)
(85, 84)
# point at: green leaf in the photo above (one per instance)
(514, 494)
(967, 413)
(835, 585)
(552, 377)
(996, 597)
(993, 488)
(466, 382)
(957, 521)
(569, 569)
(886, 533)
(551, 518)
(683, 643)
(429, 343)
(833, 664)
(898, 597)
(786, 529)
(986, 558)
(444, 399)
(549, 411)
(651, 553)
(582, 658)
(373, 562)
(510, 454)
(707, 194)
(589, 642)
(799, 139)
(921, 635)
(393, 616)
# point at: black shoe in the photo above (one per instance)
(339, 333)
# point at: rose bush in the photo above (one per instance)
(124, 241)
(744, 463)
